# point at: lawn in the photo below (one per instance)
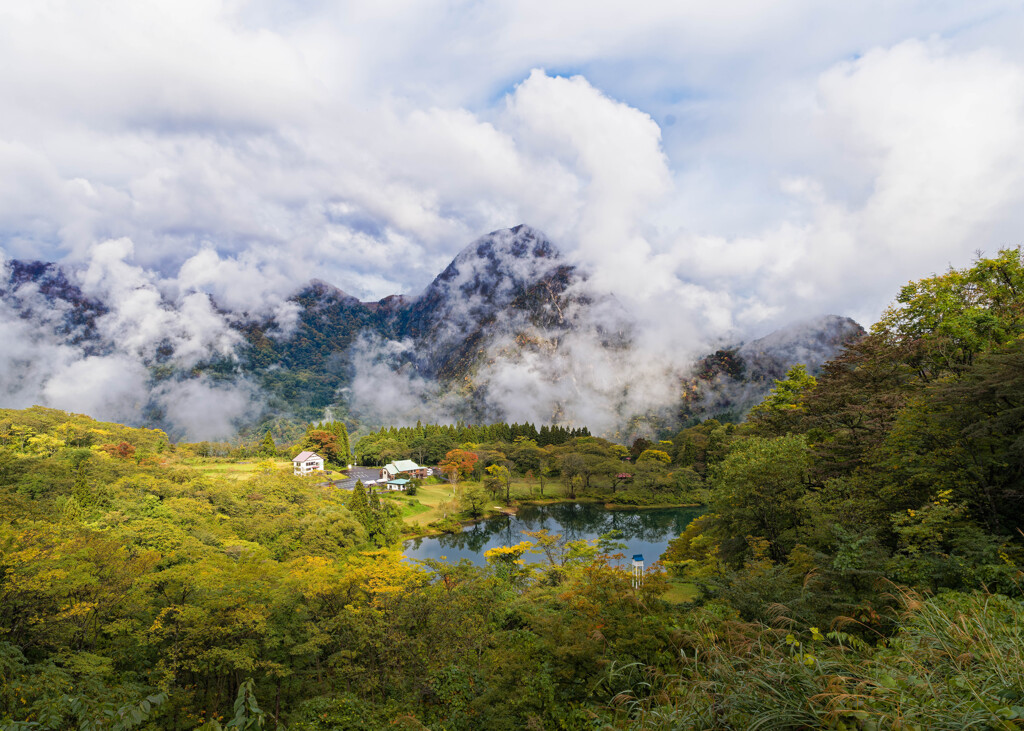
(409, 504)
(436, 500)
(680, 592)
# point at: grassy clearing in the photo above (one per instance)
(680, 592)
(236, 471)
(408, 503)
(435, 500)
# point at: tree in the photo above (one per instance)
(340, 431)
(757, 489)
(964, 435)
(359, 504)
(325, 444)
(526, 455)
(654, 456)
(458, 463)
(949, 318)
(571, 466)
(499, 476)
(472, 500)
(639, 445)
(268, 448)
(122, 450)
(781, 412)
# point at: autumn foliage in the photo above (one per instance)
(121, 450)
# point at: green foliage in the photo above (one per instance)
(953, 664)
(267, 447)
(473, 500)
(758, 490)
(428, 444)
(858, 567)
(654, 455)
(781, 412)
(950, 318)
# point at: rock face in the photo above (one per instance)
(727, 383)
(503, 283)
(508, 331)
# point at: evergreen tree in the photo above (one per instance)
(359, 505)
(268, 447)
(343, 442)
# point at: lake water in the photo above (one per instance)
(645, 531)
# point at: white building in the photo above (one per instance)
(307, 462)
(393, 469)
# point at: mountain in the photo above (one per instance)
(728, 382)
(509, 331)
(505, 282)
(40, 292)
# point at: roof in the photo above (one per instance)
(638, 557)
(406, 465)
(306, 456)
(398, 482)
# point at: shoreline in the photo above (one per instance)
(429, 532)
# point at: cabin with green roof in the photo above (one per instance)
(393, 469)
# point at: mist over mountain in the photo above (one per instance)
(509, 331)
(728, 382)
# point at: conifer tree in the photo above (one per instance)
(343, 441)
(359, 505)
(268, 447)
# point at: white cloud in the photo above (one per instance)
(720, 167)
(205, 410)
(107, 387)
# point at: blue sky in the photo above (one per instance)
(749, 162)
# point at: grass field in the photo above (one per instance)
(441, 499)
(680, 592)
(409, 504)
(436, 500)
(237, 471)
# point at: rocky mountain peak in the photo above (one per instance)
(498, 262)
(517, 267)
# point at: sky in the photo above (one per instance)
(735, 164)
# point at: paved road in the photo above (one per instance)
(357, 473)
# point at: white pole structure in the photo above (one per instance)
(638, 569)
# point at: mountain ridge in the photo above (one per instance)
(508, 328)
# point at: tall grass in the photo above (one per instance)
(956, 662)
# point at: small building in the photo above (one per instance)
(307, 462)
(393, 469)
(638, 569)
(397, 484)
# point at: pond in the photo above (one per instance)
(645, 531)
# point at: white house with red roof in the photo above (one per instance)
(307, 462)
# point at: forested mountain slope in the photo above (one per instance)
(858, 566)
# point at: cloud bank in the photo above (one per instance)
(719, 170)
